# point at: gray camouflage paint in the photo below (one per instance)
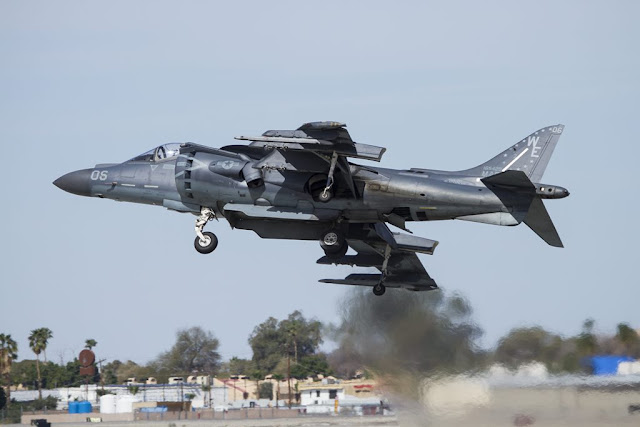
(267, 187)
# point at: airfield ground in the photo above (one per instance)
(489, 418)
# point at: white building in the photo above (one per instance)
(320, 394)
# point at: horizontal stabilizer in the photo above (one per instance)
(510, 179)
(515, 189)
(539, 221)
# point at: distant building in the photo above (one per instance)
(320, 394)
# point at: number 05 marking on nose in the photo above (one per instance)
(99, 175)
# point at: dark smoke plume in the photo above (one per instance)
(404, 337)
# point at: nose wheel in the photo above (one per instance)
(206, 242)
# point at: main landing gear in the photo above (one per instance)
(206, 242)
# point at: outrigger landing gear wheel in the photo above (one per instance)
(325, 195)
(334, 244)
(379, 289)
(206, 245)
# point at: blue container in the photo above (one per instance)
(84, 407)
(608, 365)
(73, 407)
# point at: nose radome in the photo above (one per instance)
(78, 182)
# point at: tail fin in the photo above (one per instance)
(530, 155)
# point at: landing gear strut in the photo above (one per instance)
(206, 242)
(380, 288)
(327, 193)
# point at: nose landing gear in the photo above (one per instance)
(206, 242)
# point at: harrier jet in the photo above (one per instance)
(302, 184)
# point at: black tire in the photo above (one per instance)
(339, 254)
(324, 196)
(333, 242)
(208, 247)
(379, 289)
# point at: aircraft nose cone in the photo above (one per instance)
(78, 182)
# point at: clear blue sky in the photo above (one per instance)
(442, 85)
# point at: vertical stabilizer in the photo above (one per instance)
(529, 155)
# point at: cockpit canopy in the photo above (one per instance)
(163, 152)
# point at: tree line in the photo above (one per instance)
(565, 354)
(401, 337)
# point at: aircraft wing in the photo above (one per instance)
(310, 148)
(404, 269)
(318, 137)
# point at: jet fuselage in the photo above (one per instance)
(414, 194)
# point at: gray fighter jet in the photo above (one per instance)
(301, 184)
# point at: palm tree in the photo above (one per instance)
(8, 353)
(90, 343)
(46, 335)
(38, 341)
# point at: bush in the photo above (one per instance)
(48, 402)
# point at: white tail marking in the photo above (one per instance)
(515, 160)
